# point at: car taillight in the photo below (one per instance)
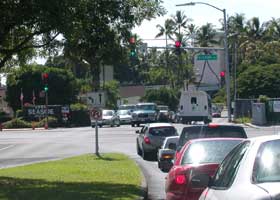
(147, 140)
(213, 125)
(180, 179)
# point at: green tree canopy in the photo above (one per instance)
(62, 86)
(259, 80)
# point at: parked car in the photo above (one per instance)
(210, 130)
(144, 113)
(250, 171)
(151, 137)
(163, 113)
(166, 153)
(109, 117)
(125, 116)
(198, 156)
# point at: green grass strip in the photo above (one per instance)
(109, 177)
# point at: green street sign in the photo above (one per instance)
(207, 57)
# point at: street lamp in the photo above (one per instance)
(226, 52)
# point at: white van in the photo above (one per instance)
(195, 106)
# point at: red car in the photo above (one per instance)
(198, 156)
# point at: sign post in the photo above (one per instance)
(96, 114)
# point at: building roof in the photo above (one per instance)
(132, 91)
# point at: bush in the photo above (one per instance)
(243, 120)
(17, 123)
(4, 117)
(52, 122)
(79, 115)
(78, 106)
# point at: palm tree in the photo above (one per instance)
(272, 29)
(191, 32)
(180, 20)
(166, 30)
(206, 35)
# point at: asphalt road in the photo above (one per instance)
(28, 146)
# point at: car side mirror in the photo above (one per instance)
(200, 181)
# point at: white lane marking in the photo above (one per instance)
(7, 147)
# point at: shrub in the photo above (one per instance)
(79, 115)
(52, 122)
(17, 123)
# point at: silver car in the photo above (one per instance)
(250, 171)
(125, 116)
(166, 152)
(109, 117)
(150, 138)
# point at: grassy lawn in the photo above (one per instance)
(110, 177)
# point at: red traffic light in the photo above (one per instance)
(45, 75)
(132, 40)
(177, 44)
(222, 74)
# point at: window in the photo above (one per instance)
(193, 100)
(267, 163)
(228, 169)
(213, 151)
(163, 131)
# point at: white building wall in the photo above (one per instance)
(209, 75)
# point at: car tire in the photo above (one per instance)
(139, 152)
(144, 154)
(138, 125)
(132, 124)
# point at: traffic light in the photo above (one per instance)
(132, 46)
(222, 78)
(178, 47)
(45, 77)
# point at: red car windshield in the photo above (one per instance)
(210, 151)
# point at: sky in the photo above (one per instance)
(202, 14)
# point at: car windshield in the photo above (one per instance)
(194, 132)
(145, 107)
(267, 163)
(163, 131)
(107, 113)
(124, 112)
(212, 151)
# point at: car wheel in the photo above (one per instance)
(132, 124)
(138, 125)
(100, 125)
(144, 154)
(138, 150)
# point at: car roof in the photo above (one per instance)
(214, 125)
(262, 139)
(215, 139)
(147, 103)
(152, 125)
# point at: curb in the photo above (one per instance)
(251, 125)
(21, 129)
(144, 188)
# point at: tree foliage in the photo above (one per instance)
(163, 96)
(259, 80)
(61, 83)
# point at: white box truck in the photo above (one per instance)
(195, 106)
